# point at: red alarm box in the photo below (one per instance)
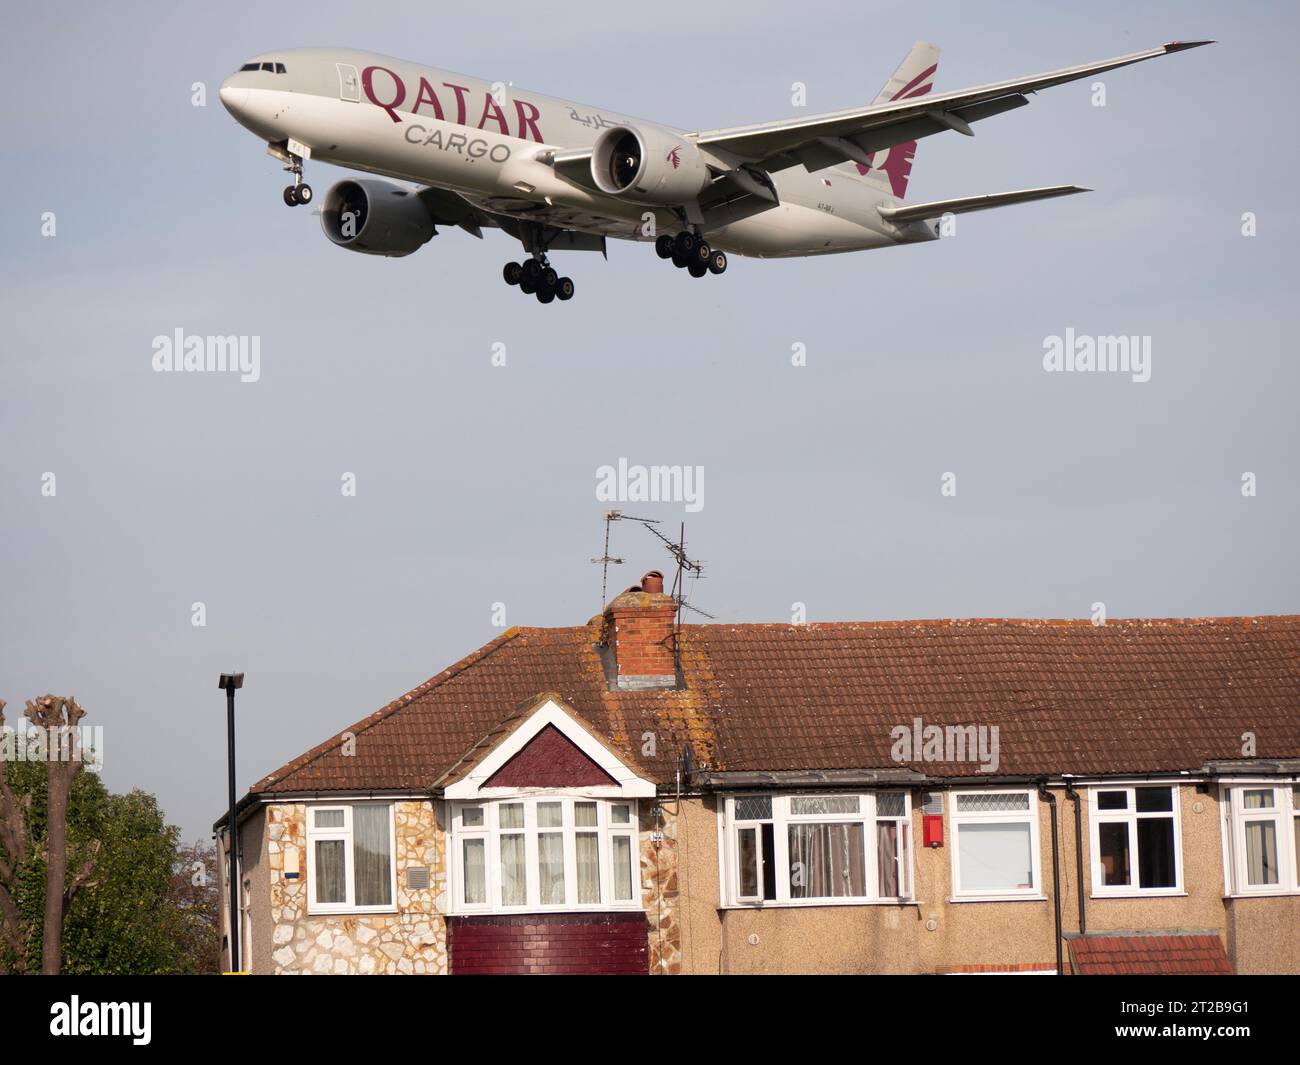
(933, 827)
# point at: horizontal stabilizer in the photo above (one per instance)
(937, 208)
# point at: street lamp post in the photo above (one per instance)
(229, 683)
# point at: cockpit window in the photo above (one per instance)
(250, 66)
(270, 68)
(279, 68)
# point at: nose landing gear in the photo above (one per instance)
(299, 191)
(536, 277)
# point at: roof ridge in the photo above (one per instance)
(1242, 619)
(456, 668)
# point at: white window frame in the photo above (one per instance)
(344, 833)
(781, 821)
(490, 832)
(958, 817)
(1284, 815)
(1131, 816)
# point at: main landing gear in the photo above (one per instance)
(692, 253)
(538, 278)
(299, 191)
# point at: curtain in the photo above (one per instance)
(587, 852)
(371, 853)
(623, 868)
(475, 872)
(747, 839)
(550, 866)
(330, 871)
(514, 891)
(1261, 852)
(827, 861)
(887, 858)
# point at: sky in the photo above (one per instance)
(476, 483)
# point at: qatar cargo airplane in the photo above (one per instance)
(559, 175)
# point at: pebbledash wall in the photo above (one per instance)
(415, 939)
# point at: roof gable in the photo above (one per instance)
(518, 760)
(549, 760)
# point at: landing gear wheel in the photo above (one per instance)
(680, 260)
(291, 195)
(664, 245)
(718, 263)
(304, 193)
(549, 277)
(545, 294)
(564, 288)
(527, 287)
(697, 269)
(702, 253)
(685, 244)
(512, 272)
(532, 272)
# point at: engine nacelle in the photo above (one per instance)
(648, 165)
(375, 217)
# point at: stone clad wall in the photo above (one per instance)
(659, 887)
(412, 940)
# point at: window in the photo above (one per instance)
(544, 853)
(1136, 843)
(813, 849)
(995, 846)
(350, 858)
(250, 66)
(1262, 826)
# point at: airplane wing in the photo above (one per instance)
(823, 140)
(917, 212)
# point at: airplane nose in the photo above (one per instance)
(234, 98)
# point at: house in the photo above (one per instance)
(960, 796)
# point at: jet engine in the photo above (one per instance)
(375, 217)
(648, 165)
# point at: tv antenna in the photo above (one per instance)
(686, 566)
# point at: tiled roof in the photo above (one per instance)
(1067, 697)
(1141, 954)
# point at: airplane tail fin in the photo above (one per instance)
(891, 167)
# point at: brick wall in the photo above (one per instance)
(603, 944)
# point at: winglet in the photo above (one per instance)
(1182, 46)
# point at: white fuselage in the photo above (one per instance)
(483, 140)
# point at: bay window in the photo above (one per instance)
(811, 849)
(544, 853)
(1262, 827)
(995, 846)
(350, 857)
(1136, 842)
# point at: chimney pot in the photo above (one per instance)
(653, 582)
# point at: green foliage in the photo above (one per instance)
(141, 912)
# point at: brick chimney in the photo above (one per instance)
(639, 629)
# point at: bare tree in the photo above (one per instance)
(58, 716)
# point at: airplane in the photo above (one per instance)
(557, 175)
